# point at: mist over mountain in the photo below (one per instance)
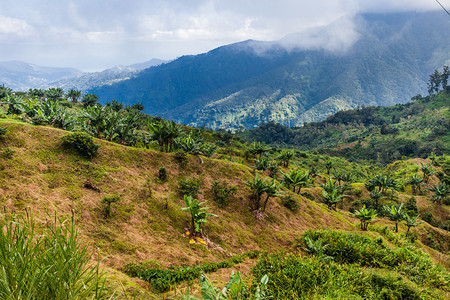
(19, 75)
(23, 76)
(372, 59)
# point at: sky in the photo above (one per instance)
(93, 35)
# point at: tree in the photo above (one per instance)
(258, 187)
(14, 104)
(444, 76)
(4, 91)
(74, 95)
(427, 170)
(331, 199)
(164, 132)
(376, 196)
(329, 166)
(440, 192)
(365, 216)
(115, 105)
(286, 156)
(257, 148)
(272, 189)
(395, 213)
(434, 82)
(411, 222)
(415, 181)
(89, 100)
(36, 93)
(198, 214)
(54, 94)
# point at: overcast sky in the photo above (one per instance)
(97, 34)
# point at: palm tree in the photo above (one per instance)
(411, 222)
(258, 187)
(286, 156)
(415, 181)
(329, 166)
(427, 170)
(257, 148)
(331, 199)
(329, 186)
(198, 214)
(74, 95)
(14, 104)
(89, 100)
(365, 216)
(376, 196)
(54, 94)
(440, 192)
(164, 132)
(395, 213)
(300, 180)
(382, 182)
(272, 190)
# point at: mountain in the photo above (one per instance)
(384, 59)
(19, 75)
(91, 80)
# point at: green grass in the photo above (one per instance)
(46, 263)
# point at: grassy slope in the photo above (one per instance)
(46, 178)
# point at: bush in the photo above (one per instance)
(290, 203)
(81, 142)
(221, 192)
(427, 217)
(180, 158)
(108, 200)
(189, 186)
(162, 174)
(46, 265)
(8, 153)
(3, 131)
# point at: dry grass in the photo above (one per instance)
(147, 223)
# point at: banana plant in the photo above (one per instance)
(198, 214)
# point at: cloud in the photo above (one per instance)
(14, 26)
(102, 33)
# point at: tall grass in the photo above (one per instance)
(45, 263)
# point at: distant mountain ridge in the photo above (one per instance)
(19, 75)
(240, 85)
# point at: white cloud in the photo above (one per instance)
(103, 32)
(14, 26)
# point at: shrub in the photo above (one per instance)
(108, 200)
(189, 186)
(3, 131)
(82, 143)
(180, 158)
(221, 192)
(8, 153)
(290, 203)
(162, 174)
(162, 280)
(427, 217)
(46, 265)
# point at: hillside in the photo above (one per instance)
(378, 134)
(252, 82)
(146, 225)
